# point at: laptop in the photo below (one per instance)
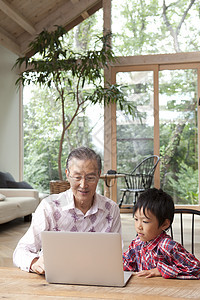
(88, 258)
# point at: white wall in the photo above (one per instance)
(9, 116)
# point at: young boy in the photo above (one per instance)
(153, 252)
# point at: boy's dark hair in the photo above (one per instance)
(84, 153)
(158, 203)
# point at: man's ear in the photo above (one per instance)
(67, 173)
(166, 224)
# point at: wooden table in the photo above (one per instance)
(19, 285)
(111, 185)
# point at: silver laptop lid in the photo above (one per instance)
(83, 258)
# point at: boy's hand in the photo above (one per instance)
(149, 273)
(37, 265)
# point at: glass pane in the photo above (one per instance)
(135, 135)
(95, 115)
(178, 135)
(153, 27)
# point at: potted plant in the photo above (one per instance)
(54, 65)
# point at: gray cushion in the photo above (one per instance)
(3, 183)
(18, 185)
(4, 177)
(8, 181)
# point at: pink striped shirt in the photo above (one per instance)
(58, 213)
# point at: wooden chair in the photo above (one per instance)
(192, 213)
(140, 179)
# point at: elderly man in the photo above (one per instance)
(78, 209)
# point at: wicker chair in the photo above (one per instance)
(140, 179)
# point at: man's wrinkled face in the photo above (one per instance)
(83, 177)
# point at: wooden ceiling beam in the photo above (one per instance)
(12, 13)
(85, 14)
(64, 16)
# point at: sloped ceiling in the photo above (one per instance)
(22, 20)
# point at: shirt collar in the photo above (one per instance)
(153, 243)
(68, 203)
(67, 200)
(93, 209)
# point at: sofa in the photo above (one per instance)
(16, 203)
(17, 199)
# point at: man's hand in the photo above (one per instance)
(37, 265)
(149, 273)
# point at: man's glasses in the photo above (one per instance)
(88, 178)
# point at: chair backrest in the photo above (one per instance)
(186, 226)
(147, 166)
(142, 175)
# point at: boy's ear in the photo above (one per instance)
(166, 224)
